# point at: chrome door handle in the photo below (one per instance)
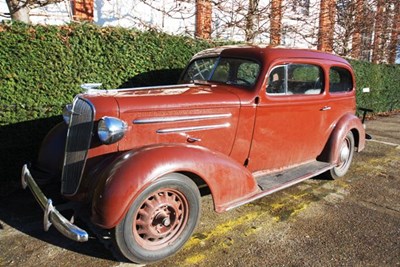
(325, 108)
(193, 139)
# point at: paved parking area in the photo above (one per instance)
(354, 221)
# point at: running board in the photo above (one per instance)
(277, 181)
(284, 179)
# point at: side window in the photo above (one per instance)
(340, 80)
(305, 79)
(296, 79)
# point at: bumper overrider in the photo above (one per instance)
(51, 214)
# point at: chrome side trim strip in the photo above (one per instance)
(180, 118)
(193, 128)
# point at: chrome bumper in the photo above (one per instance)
(51, 214)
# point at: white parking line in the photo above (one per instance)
(383, 142)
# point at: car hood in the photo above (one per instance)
(188, 96)
(173, 114)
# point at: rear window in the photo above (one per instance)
(340, 80)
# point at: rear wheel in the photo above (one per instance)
(346, 151)
(160, 220)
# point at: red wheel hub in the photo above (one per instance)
(160, 218)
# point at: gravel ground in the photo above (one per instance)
(353, 221)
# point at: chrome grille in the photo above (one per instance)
(77, 145)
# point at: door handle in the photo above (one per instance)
(325, 108)
(193, 139)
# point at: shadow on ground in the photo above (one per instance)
(20, 211)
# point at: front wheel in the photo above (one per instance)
(346, 151)
(160, 220)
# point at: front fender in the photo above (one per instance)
(135, 170)
(49, 163)
(349, 122)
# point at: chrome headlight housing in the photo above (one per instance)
(111, 130)
(67, 111)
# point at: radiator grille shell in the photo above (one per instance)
(77, 145)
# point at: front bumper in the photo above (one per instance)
(51, 214)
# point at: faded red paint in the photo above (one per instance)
(257, 133)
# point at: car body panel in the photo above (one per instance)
(223, 136)
(133, 171)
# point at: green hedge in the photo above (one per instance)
(384, 83)
(41, 68)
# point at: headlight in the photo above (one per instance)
(67, 111)
(111, 130)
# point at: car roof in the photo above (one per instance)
(267, 53)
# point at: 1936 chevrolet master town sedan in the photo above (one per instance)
(243, 122)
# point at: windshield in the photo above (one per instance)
(241, 72)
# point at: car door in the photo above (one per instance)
(290, 126)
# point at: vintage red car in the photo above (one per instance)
(243, 122)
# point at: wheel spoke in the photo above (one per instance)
(143, 214)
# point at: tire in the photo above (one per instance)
(346, 152)
(160, 220)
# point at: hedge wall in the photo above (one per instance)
(41, 68)
(384, 83)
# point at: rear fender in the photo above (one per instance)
(349, 122)
(135, 170)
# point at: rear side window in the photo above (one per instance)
(298, 79)
(340, 80)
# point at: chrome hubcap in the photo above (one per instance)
(344, 153)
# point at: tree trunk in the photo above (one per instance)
(394, 38)
(356, 45)
(276, 22)
(326, 25)
(19, 10)
(251, 13)
(203, 19)
(83, 10)
(377, 47)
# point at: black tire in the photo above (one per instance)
(160, 220)
(345, 158)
